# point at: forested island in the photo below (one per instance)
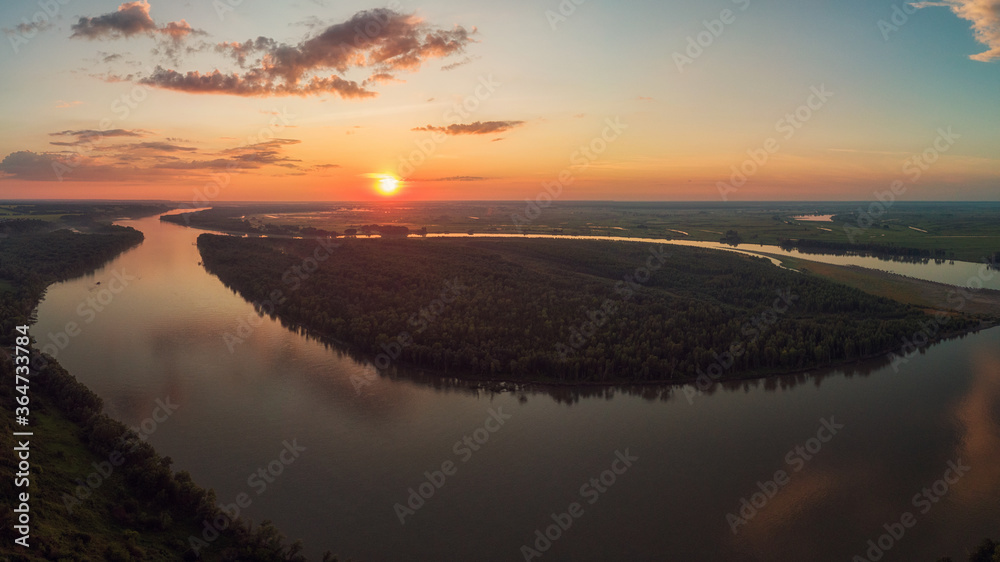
(569, 311)
(142, 510)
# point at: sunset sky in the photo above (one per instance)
(321, 100)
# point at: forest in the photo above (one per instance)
(144, 510)
(865, 249)
(575, 311)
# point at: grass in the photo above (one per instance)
(924, 294)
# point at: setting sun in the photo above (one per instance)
(388, 185)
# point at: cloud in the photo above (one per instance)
(132, 18)
(251, 156)
(461, 178)
(90, 135)
(139, 161)
(477, 128)
(251, 84)
(29, 165)
(29, 28)
(381, 41)
(161, 146)
(985, 18)
(457, 64)
(64, 104)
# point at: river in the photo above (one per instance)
(691, 459)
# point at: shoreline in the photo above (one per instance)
(490, 382)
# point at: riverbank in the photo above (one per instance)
(95, 489)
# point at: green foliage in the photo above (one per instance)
(526, 296)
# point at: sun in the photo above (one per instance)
(388, 185)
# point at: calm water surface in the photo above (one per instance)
(162, 337)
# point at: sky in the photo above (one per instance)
(693, 100)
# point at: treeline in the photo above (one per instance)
(987, 551)
(30, 260)
(227, 220)
(863, 249)
(143, 510)
(526, 309)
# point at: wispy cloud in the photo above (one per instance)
(146, 160)
(89, 135)
(459, 63)
(985, 18)
(477, 128)
(29, 27)
(161, 147)
(460, 178)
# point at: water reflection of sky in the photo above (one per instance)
(163, 336)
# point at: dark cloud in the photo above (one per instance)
(161, 146)
(457, 64)
(148, 160)
(253, 156)
(28, 165)
(29, 28)
(31, 166)
(461, 178)
(477, 128)
(91, 135)
(132, 18)
(251, 84)
(381, 41)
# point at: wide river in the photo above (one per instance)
(860, 449)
